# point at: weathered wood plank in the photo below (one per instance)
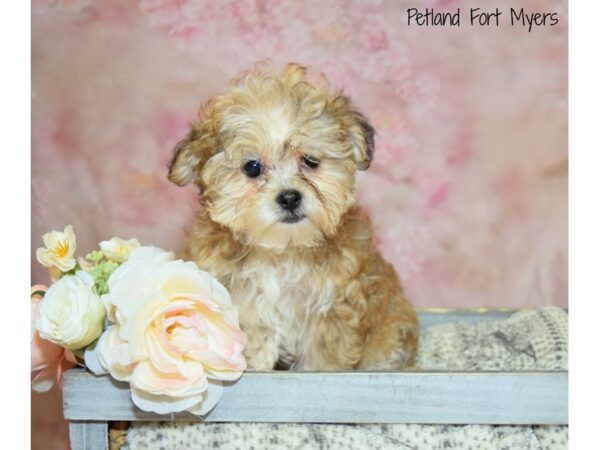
(349, 397)
(429, 317)
(88, 435)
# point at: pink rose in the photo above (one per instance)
(176, 336)
(48, 360)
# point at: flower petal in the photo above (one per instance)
(193, 382)
(113, 354)
(92, 362)
(163, 404)
(210, 399)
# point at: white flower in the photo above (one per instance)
(118, 249)
(71, 314)
(59, 251)
(177, 334)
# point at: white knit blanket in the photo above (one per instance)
(531, 339)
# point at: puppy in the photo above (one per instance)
(275, 159)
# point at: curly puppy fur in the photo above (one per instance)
(312, 291)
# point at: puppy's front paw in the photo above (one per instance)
(262, 349)
(261, 361)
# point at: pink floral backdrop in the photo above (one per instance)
(468, 190)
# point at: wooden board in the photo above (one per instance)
(349, 397)
(522, 398)
(88, 435)
(429, 317)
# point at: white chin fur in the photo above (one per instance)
(280, 236)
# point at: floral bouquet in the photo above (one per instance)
(138, 314)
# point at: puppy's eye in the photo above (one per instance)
(253, 168)
(311, 161)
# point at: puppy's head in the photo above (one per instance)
(275, 158)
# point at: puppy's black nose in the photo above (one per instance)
(289, 199)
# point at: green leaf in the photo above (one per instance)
(80, 353)
(95, 256)
(101, 273)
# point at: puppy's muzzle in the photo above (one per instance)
(289, 199)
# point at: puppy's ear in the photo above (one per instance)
(192, 152)
(357, 129)
(362, 136)
(183, 166)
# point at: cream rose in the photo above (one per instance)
(71, 314)
(118, 249)
(59, 249)
(176, 334)
(48, 360)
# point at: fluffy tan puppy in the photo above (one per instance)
(275, 159)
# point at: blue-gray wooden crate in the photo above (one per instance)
(354, 397)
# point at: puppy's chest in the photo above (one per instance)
(281, 294)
